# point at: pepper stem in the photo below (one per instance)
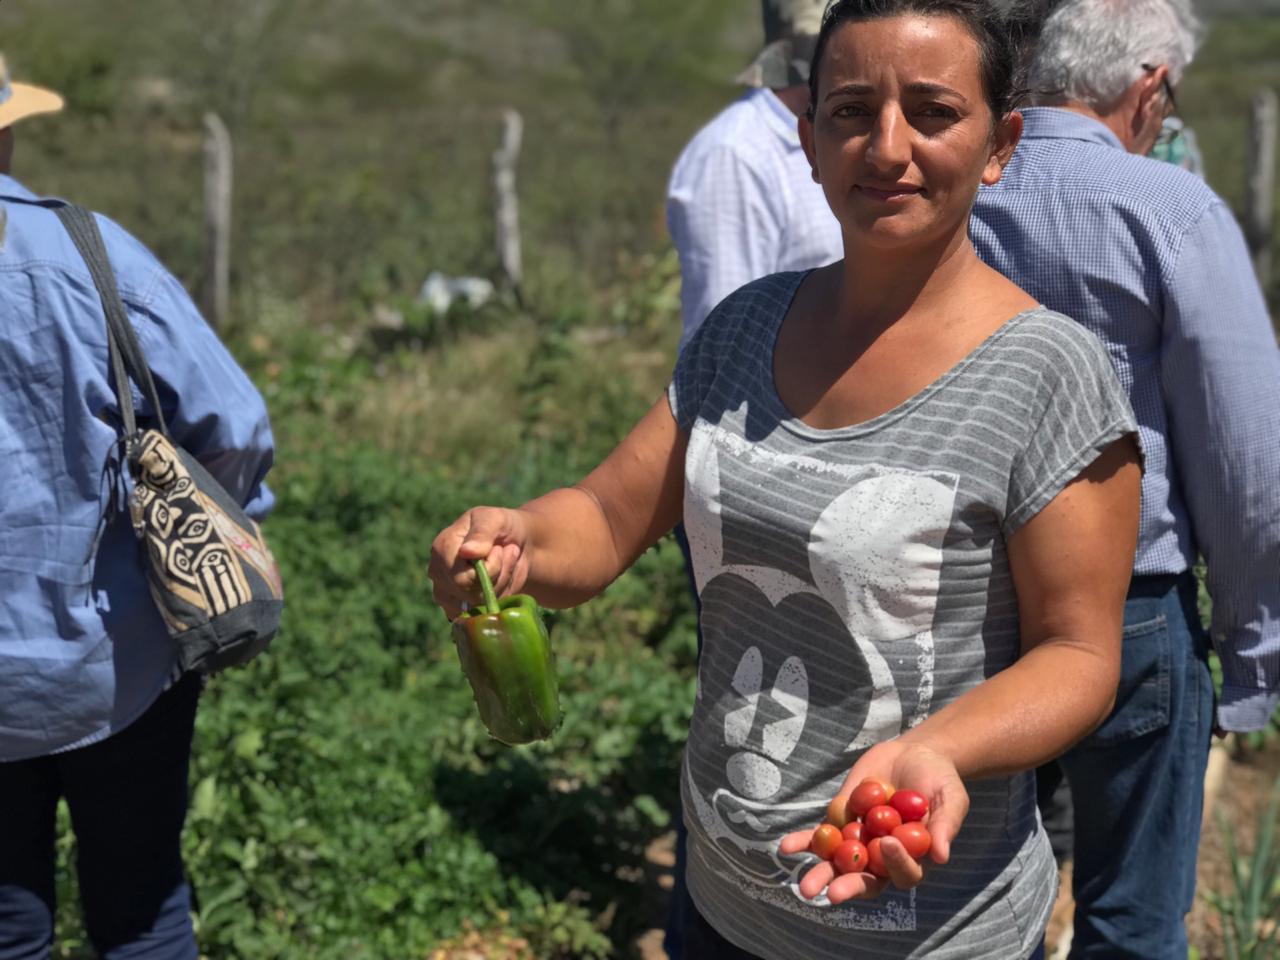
(486, 587)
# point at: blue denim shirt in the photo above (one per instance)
(1151, 260)
(83, 651)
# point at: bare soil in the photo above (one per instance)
(1242, 799)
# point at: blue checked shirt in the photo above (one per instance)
(742, 204)
(1152, 261)
(83, 651)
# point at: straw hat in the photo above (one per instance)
(790, 33)
(21, 100)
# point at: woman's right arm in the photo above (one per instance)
(567, 546)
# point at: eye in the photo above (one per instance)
(851, 110)
(938, 111)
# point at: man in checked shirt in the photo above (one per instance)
(1151, 260)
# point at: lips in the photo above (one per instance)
(888, 192)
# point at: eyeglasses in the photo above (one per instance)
(1171, 129)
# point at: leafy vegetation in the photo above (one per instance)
(346, 802)
(1250, 908)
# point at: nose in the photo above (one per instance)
(889, 144)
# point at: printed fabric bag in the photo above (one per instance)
(209, 569)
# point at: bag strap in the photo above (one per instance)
(127, 358)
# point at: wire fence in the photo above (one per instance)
(368, 208)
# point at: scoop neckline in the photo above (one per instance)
(797, 426)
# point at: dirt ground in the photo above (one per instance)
(1242, 799)
(1239, 789)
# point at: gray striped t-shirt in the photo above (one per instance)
(853, 582)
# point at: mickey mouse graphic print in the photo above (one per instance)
(852, 582)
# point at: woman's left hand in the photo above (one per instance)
(906, 766)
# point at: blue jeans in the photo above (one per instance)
(678, 914)
(128, 801)
(1137, 783)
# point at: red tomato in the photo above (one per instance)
(915, 837)
(825, 840)
(867, 794)
(875, 860)
(838, 814)
(913, 806)
(880, 821)
(852, 831)
(850, 857)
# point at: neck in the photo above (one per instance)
(922, 283)
(1113, 121)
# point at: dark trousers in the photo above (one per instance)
(128, 800)
(678, 915)
(1137, 783)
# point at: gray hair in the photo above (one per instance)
(1091, 51)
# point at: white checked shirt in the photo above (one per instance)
(1152, 261)
(742, 204)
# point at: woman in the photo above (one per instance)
(911, 495)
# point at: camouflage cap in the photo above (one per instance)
(790, 34)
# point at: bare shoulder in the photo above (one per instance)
(1001, 298)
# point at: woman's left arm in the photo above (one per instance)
(1071, 565)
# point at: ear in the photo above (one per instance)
(805, 128)
(1004, 140)
(1149, 109)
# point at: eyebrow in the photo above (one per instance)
(921, 88)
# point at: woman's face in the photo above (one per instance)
(901, 134)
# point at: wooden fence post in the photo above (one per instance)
(1260, 181)
(507, 202)
(217, 219)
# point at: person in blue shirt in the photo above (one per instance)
(1150, 259)
(92, 707)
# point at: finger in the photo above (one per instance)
(949, 809)
(855, 886)
(488, 526)
(813, 882)
(519, 571)
(445, 591)
(797, 842)
(509, 558)
(903, 869)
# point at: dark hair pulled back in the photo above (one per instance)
(998, 50)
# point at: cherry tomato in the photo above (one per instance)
(825, 840)
(838, 813)
(880, 821)
(914, 836)
(852, 831)
(867, 794)
(913, 806)
(850, 857)
(875, 860)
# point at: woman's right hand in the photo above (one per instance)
(497, 536)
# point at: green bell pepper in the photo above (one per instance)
(506, 655)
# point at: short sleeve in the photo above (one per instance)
(694, 372)
(1079, 409)
(735, 340)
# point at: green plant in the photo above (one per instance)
(1250, 910)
